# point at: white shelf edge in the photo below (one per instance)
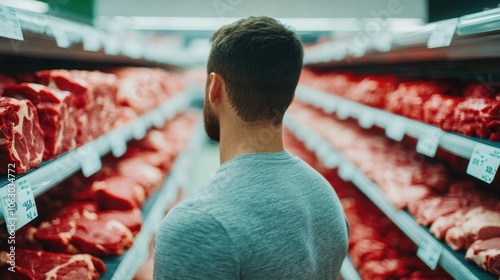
(50, 174)
(347, 271)
(454, 143)
(455, 267)
(139, 251)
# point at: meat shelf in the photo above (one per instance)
(396, 126)
(347, 271)
(87, 157)
(453, 262)
(47, 36)
(153, 211)
(474, 36)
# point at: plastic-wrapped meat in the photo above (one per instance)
(473, 115)
(486, 254)
(439, 110)
(53, 109)
(372, 90)
(21, 137)
(408, 100)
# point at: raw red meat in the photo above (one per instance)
(483, 225)
(132, 219)
(442, 224)
(93, 93)
(439, 110)
(372, 90)
(53, 108)
(118, 193)
(486, 254)
(480, 90)
(86, 234)
(427, 210)
(409, 98)
(143, 173)
(5, 81)
(40, 265)
(21, 137)
(473, 116)
(141, 89)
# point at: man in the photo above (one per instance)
(266, 214)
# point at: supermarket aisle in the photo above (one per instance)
(207, 163)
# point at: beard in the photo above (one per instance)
(212, 126)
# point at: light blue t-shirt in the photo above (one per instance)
(263, 216)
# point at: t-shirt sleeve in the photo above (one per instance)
(193, 245)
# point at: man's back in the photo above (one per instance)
(263, 216)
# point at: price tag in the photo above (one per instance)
(366, 119)
(396, 129)
(484, 162)
(61, 37)
(430, 252)
(118, 144)
(442, 35)
(346, 171)
(9, 24)
(18, 204)
(91, 162)
(428, 144)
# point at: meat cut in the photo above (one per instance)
(486, 254)
(41, 265)
(54, 109)
(21, 137)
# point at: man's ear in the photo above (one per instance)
(215, 88)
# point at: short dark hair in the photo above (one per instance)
(260, 61)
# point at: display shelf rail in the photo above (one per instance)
(395, 126)
(87, 157)
(347, 271)
(46, 35)
(474, 36)
(126, 266)
(453, 262)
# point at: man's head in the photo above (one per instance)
(255, 63)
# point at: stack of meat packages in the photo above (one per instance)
(377, 248)
(55, 111)
(472, 109)
(83, 219)
(460, 210)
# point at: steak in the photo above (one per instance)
(54, 109)
(118, 193)
(486, 254)
(41, 265)
(21, 137)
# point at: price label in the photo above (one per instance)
(430, 252)
(428, 144)
(18, 204)
(442, 35)
(484, 162)
(91, 162)
(62, 39)
(396, 129)
(366, 119)
(9, 24)
(118, 144)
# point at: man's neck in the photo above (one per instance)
(238, 139)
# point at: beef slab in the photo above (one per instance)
(486, 254)
(41, 265)
(54, 109)
(21, 137)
